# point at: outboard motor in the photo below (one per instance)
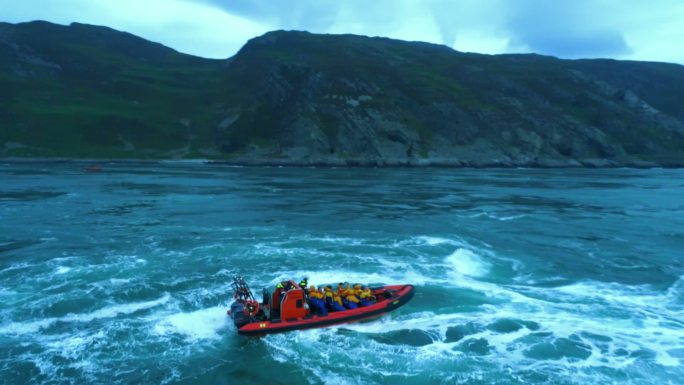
(245, 308)
(237, 312)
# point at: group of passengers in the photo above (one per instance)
(324, 299)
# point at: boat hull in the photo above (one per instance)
(400, 295)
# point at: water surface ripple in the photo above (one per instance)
(522, 276)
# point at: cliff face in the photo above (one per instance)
(337, 99)
(300, 98)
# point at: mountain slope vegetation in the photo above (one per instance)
(288, 97)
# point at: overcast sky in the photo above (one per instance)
(622, 29)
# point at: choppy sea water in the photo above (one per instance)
(522, 276)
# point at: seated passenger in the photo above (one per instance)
(365, 296)
(328, 296)
(312, 294)
(341, 289)
(337, 304)
(320, 296)
(316, 301)
(352, 299)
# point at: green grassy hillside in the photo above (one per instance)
(84, 91)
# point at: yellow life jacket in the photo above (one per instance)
(352, 298)
(365, 294)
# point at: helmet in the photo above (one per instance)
(279, 285)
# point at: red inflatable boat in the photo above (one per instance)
(280, 312)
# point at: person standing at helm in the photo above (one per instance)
(280, 289)
(303, 284)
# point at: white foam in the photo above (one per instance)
(17, 266)
(106, 312)
(26, 327)
(652, 326)
(225, 273)
(62, 270)
(466, 262)
(199, 324)
(73, 346)
(641, 298)
(497, 217)
(420, 320)
(675, 293)
(327, 347)
(434, 241)
(63, 259)
(6, 293)
(115, 310)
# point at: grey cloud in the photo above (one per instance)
(574, 44)
(574, 29)
(578, 28)
(303, 14)
(452, 18)
(581, 28)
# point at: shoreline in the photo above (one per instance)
(455, 164)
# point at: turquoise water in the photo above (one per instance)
(522, 276)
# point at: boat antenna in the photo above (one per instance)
(242, 290)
